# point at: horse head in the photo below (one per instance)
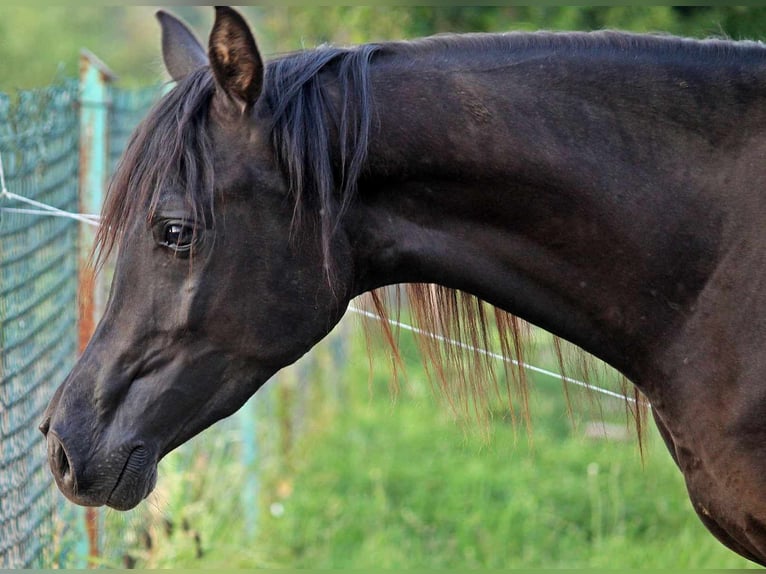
(198, 204)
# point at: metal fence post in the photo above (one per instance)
(95, 77)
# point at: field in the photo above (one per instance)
(361, 478)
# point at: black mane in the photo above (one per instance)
(303, 120)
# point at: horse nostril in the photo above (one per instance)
(63, 464)
(59, 462)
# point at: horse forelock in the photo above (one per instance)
(170, 149)
(169, 152)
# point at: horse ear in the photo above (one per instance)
(235, 59)
(181, 50)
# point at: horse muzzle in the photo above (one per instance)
(119, 478)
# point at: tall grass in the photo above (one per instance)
(378, 482)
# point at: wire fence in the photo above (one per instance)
(38, 290)
(39, 143)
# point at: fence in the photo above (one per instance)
(38, 286)
(40, 141)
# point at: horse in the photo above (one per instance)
(605, 186)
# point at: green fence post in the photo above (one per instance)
(95, 77)
(249, 495)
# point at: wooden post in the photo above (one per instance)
(94, 121)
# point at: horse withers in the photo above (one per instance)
(605, 186)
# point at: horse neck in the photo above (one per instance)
(577, 194)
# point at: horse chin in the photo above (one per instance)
(136, 481)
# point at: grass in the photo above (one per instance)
(372, 482)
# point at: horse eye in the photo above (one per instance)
(178, 235)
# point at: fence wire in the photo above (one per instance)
(39, 143)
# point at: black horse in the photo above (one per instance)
(608, 187)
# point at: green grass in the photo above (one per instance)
(377, 483)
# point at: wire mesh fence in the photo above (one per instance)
(38, 308)
(39, 143)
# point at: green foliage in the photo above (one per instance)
(403, 485)
(39, 44)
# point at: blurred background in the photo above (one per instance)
(39, 45)
(336, 463)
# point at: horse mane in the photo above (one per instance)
(301, 129)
